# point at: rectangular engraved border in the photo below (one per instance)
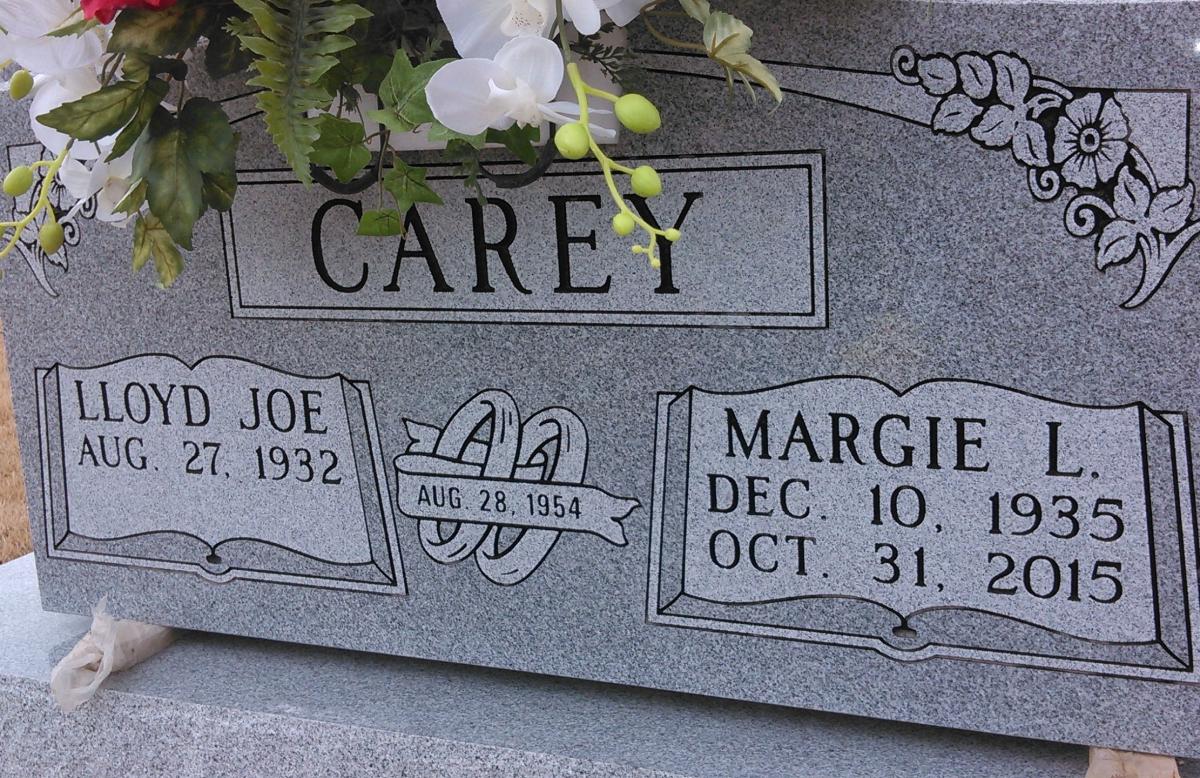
(814, 316)
(368, 419)
(1189, 534)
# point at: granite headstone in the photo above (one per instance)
(898, 429)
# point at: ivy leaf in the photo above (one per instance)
(162, 31)
(407, 185)
(153, 92)
(440, 133)
(519, 140)
(174, 184)
(381, 223)
(403, 94)
(151, 240)
(340, 147)
(98, 114)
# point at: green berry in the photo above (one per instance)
(572, 141)
(623, 223)
(637, 113)
(51, 237)
(672, 235)
(20, 84)
(646, 182)
(18, 181)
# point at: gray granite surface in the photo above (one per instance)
(213, 705)
(366, 444)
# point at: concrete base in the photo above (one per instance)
(213, 705)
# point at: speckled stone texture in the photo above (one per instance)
(912, 216)
(212, 705)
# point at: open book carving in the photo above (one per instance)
(952, 519)
(227, 468)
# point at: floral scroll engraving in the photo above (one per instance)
(1063, 137)
(60, 200)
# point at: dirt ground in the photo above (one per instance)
(14, 522)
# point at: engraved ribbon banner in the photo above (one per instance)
(572, 507)
(507, 497)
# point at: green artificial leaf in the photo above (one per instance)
(211, 145)
(153, 93)
(187, 162)
(98, 114)
(132, 202)
(162, 31)
(340, 147)
(211, 142)
(135, 66)
(294, 43)
(403, 94)
(727, 40)
(225, 55)
(466, 160)
(519, 140)
(174, 185)
(219, 190)
(406, 184)
(440, 133)
(152, 240)
(381, 223)
(77, 27)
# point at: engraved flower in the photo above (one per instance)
(1090, 140)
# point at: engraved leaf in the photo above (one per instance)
(1131, 199)
(1029, 144)
(938, 75)
(1012, 80)
(976, 75)
(1117, 244)
(996, 127)
(954, 114)
(1171, 208)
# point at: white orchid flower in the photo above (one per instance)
(585, 14)
(108, 182)
(518, 86)
(24, 40)
(480, 28)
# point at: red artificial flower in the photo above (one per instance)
(103, 11)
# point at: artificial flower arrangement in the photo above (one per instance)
(108, 85)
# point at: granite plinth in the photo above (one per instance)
(216, 705)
